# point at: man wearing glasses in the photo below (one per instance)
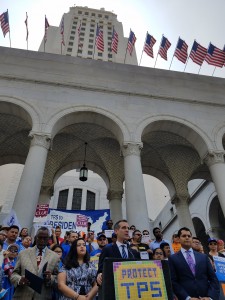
(34, 259)
(138, 245)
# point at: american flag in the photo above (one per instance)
(46, 28)
(164, 47)
(115, 40)
(198, 53)
(149, 43)
(62, 30)
(215, 56)
(181, 51)
(78, 32)
(131, 41)
(4, 19)
(99, 42)
(26, 23)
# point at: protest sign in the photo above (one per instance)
(41, 213)
(139, 280)
(220, 273)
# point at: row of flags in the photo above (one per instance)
(212, 55)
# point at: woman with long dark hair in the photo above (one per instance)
(77, 278)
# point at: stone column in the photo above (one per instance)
(215, 162)
(183, 212)
(45, 195)
(115, 205)
(30, 184)
(136, 206)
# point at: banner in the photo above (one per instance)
(139, 280)
(220, 273)
(77, 219)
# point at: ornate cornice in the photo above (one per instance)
(132, 149)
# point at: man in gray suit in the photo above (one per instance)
(34, 259)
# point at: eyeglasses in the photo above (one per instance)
(13, 251)
(158, 253)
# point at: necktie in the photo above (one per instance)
(39, 257)
(190, 261)
(124, 254)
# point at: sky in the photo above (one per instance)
(193, 19)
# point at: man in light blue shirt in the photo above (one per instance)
(158, 240)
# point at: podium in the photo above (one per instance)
(135, 279)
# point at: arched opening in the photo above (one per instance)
(216, 219)
(201, 232)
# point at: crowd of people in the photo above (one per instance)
(65, 266)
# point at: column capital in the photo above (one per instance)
(214, 157)
(131, 149)
(42, 140)
(113, 194)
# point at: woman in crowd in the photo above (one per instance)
(220, 246)
(77, 278)
(22, 235)
(26, 243)
(176, 243)
(213, 251)
(158, 254)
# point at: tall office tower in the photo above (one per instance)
(83, 45)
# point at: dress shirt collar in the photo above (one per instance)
(120, 244)
(43, 251)
(184, 250)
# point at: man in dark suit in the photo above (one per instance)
(120, 249)
(192, 274)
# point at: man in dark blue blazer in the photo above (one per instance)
(192, 274)
(117, 250)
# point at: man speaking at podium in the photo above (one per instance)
(120, 249)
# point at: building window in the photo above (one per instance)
(77, 197)
(106, 16)
(83, 28)
(91, 35)
(91, 40)
(83, 24)
(100, 16)
(99, 53)
(90, 202)
(81, 39)
(82, 33)
(79, 12)
(109, 32)
(93, 14)
(79, 50)
(72, 32)
(110, 38)
(75, 23)
(86, 13)
(90, 53)
(92, 30)
(90, 46)
(92, 25)
(69, 49)
(72, 38)
(70, 43)
(73, 27)
(109, 55)
(62, 200)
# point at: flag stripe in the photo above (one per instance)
(4, 19)
(149, 43)
(165, 45)
(198, 53)
(99, 42)
(115, 41)
(181, 51)
(215, 56)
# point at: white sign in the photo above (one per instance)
(108, 233)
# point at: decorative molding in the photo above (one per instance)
(40, 140)
(214, 157)
(132, 149)
(112, 194)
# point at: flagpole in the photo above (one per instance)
(95, 42)
(171, 62)
(44, 35)
(9, 30)
(143, 48)
(78, 41)
(126, 48)
(214, 71)
(186, 64)
(173, 53)
(158, 51)
(27, 29)
(199, 69)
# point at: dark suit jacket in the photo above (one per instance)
(203, 284)
(112, 250)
